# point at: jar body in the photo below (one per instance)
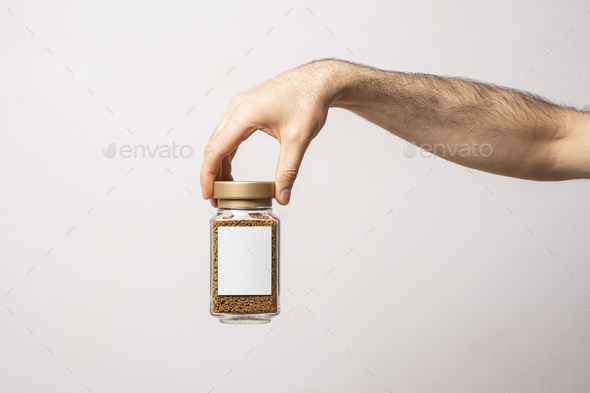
(244, 265)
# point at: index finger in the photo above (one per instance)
(224, 141)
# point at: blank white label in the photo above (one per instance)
(244, 261)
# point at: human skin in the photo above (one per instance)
(531, 138)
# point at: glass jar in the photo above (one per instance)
(244, 253)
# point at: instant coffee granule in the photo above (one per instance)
(251, 304)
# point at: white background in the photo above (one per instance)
(464, 286)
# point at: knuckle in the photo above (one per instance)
(210, 149)
(294, 138)
(245, 110)
(242, 107)
(298, 140)
(236, 100)
(289, 174)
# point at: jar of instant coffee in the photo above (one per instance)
(244, 253)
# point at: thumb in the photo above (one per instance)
(290, 157)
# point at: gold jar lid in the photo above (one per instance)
(244, 193)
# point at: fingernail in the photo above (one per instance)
(285, 195)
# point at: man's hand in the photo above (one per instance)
(291, 108)
(531, 138)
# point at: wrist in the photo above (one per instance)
(327, 77)
(333, 80)
(571, 151)
(347, 85)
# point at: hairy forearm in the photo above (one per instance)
(527, 137)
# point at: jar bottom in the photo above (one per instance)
(244, 319)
